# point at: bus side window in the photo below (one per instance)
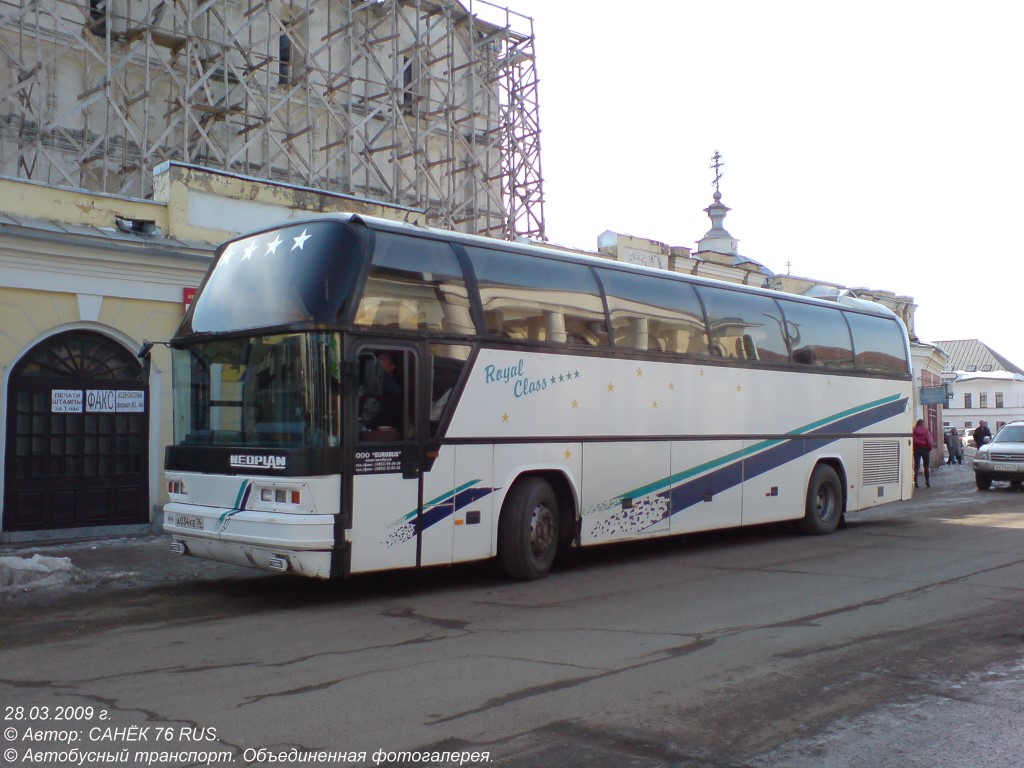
(415, 285)
(745, 326)
(550, 300)
(879, 344)
(654, 315)
(818, 335)
(447, 364)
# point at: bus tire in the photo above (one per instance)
(824, 505)
(528, 530)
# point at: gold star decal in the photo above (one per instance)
(701, 371)
(504, 417)
(611, 387)
(568, 453)
(671, 387)
(654, 404)
(739, 388)
(575, 404)
(639, 373)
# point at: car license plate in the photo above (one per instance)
(189, 521)
(1005, 467)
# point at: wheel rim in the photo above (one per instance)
(824, 502)
(542, 530)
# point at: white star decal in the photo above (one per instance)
(226, 256)
(249, 249)
(272, 245)
(301, 240)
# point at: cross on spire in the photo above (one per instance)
(717, 166)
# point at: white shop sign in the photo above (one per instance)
(130, 400)
(65, 401)
(100, 400)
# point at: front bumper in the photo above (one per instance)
(299, 544)
(1000, 469)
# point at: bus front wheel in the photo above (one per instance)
(824, 504)
(528, 530)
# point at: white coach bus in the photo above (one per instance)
(354, 395)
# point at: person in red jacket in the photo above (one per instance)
(922, 451)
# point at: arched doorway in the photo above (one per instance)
(77, 436)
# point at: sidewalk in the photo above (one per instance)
(121, 562)
(951, 476)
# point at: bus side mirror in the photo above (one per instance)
(371, 376)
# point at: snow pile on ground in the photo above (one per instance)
(22, 573)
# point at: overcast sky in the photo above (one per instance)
(876, 143)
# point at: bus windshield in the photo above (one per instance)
(281, 391)
(303, 273)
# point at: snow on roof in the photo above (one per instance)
(989, 375)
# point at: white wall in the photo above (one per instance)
(1012, 388)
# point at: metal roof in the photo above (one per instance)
(972, 356)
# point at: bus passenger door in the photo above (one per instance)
(458, 508)
(386, 434)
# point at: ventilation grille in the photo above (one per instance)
(881, 463)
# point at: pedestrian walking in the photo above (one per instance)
(954, 446)
(981, 433)
(922, 451)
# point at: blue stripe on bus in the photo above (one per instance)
(453, 504)
(447, 504)
(444, 498)
(686, 495)
(832, 422)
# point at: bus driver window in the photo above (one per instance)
(384, 413)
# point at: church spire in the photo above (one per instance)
(717, 238)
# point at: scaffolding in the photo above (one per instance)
(421, 103)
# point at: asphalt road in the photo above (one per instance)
(897, 641)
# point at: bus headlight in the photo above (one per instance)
(281, 498)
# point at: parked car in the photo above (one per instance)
(1002, 458)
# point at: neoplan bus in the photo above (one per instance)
(354, 395)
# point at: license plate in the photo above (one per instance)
(189, 521)
(1005, 467)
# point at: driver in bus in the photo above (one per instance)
(384, 413)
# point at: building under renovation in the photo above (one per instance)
(136, 134)
(426, 104)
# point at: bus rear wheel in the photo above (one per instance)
(528, 530)
(824, 505)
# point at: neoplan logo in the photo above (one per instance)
(247, 461)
